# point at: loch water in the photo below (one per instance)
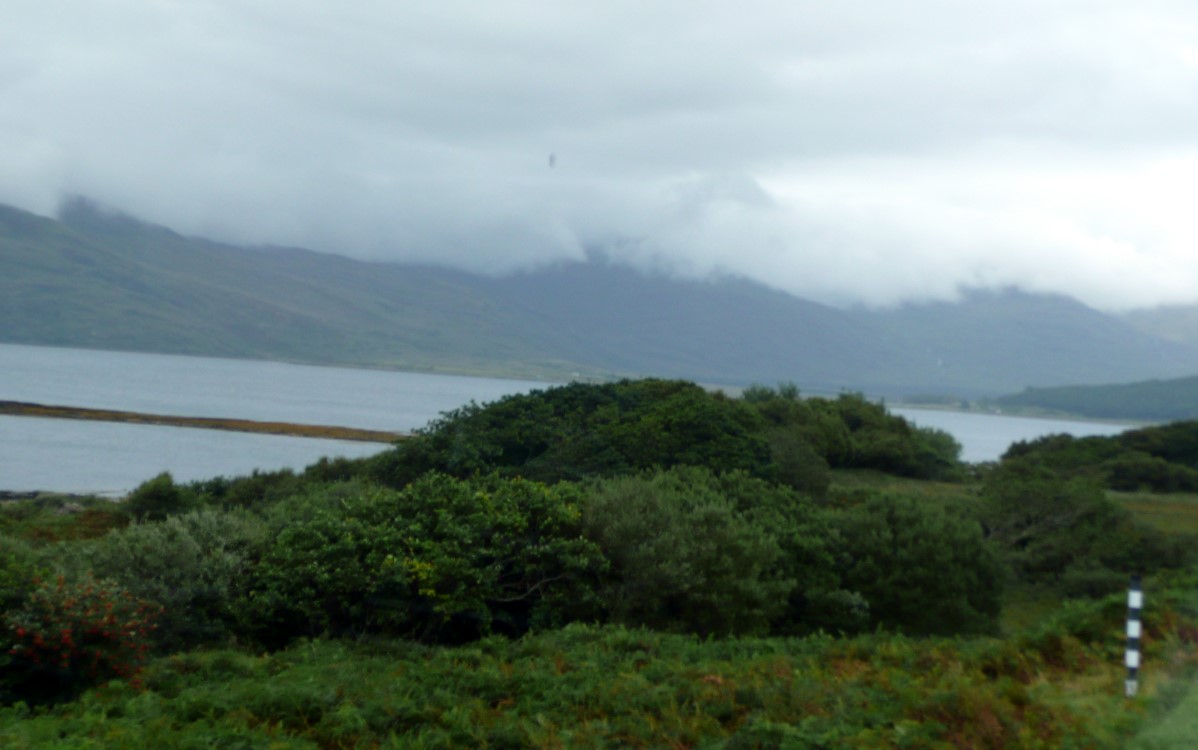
(65, 455)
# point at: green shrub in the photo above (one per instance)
(796, 463)
(193, 565)
(258, 489)
(1058, 531)
(807, 538)
(19, 566)
(584, 430)
(157, 498)
(443, 560)
(683, 557)
(70, 635)
(922, 570)
(1135, 470)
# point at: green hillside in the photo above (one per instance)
(115, 283)
(1150, 400)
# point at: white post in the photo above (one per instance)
(1135, 601)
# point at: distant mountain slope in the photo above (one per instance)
(991, 338)
(1156, 400)
(110, 282)
(726, 330)
(98, 280)
(1177, 323)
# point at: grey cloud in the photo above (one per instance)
(853, 152)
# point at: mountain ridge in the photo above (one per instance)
(97, 280)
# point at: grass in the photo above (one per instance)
(601, 687)
(848, 480)
(1174, 513)
(1178, 728)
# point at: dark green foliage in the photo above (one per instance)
(889, 443)
(259, 487)
(847, 432)
(1176, 442)
(922, 570)
(19, 566)
(1135, 470)
(808, 538)
(1065, 453)
(683, 556)
(1163, 458)
(796, 462)
(1066, 531)
(442, 560)
(583, 430)
(157, 498)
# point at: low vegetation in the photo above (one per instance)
(641, 564)
(1161, 459)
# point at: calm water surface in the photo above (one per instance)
(985, 437)
(63, 455)
(77, 456)
(243, 389)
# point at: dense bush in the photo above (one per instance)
(157, 498)
(19, 566)
(583, 430)
(257, 488)
(922, 570)
(1136, 470)
(442, 560)
(69, 635)
(193, 565)
(796, 462)
(1067, 531)
(808, 538)
(852, 432)
(1163, 458)
(683, 556)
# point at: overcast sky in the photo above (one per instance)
(856, 151)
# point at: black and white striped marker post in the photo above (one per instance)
(1135, 600)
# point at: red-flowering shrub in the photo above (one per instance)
(71, 635)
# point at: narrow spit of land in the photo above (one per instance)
(22, 409)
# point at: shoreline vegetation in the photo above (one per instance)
(643, 564)
(327, 432)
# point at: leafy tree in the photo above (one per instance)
(442, 560)
(796, 462)
(193, 566)
(683, 556)
(922, 570)
(158, 498)
(584, 430)
(1066, 531)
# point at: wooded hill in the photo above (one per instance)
(93, 279)
(1149, 400)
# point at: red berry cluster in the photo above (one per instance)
(92, 629)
